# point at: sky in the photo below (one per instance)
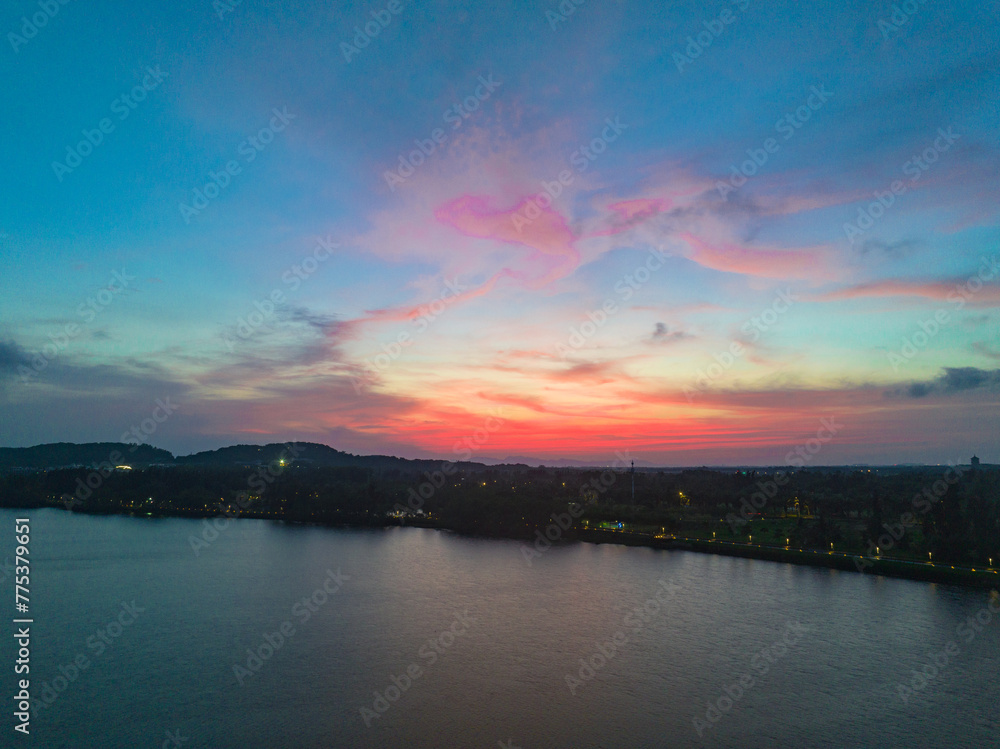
(722, 233)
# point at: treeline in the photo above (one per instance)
(951, 514)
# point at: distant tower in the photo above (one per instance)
(633, 482)
(975, 462)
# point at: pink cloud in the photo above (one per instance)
(732, 258)
(410, 312)
(632, 212)
(544, 231)
(986, 296)
(641, 207)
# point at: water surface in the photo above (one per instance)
(515, 632)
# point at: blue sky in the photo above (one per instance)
(688, 114)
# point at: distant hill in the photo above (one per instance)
(65, 454)
(61, 454)
(302, 452)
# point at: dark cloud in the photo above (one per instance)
(328, 325)
(663, 335)
(893, 250)
(953, 380)
(738, 203)
(69, 397)
(11, 356)
(291, 337)
(969, 378)
(72, 374)
(985, 349)
(282, 320)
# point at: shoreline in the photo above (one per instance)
(884, 566)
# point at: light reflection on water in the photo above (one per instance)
(504, 677)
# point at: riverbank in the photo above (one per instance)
(888, 567)
(927, 572)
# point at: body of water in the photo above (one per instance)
(269, 635)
